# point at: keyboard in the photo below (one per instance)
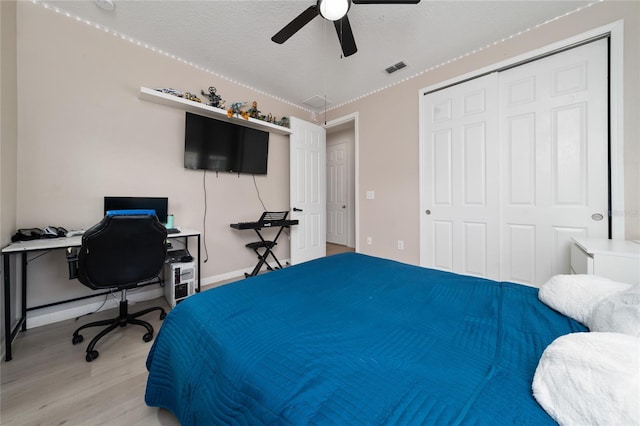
(173, 231)
(263, 224)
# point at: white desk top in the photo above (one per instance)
(622, 248)
(75, 241)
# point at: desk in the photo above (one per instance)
(25, 247)
(266, 245)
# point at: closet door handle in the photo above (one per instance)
(295, 209)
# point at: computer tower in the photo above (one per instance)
(179, 281)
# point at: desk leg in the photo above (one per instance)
(10, 333)
(23, 296)
(7, 307)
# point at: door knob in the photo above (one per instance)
(295, 209)
(597, 217)
(344, 207)
(427, 212)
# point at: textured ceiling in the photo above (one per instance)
(233, 39)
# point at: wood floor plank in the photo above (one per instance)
(49, 382)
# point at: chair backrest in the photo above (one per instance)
(121, 251)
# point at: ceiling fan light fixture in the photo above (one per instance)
(333, 10)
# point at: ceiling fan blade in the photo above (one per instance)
(294, 26)
(345, 35)
(385, 1)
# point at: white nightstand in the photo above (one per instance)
(618, 260)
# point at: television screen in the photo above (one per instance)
(159, 204)
(222, 146)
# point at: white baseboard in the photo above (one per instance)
(234, 275)
(36, 320)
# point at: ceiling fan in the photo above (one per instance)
(332, 10)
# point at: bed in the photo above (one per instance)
(353, 339)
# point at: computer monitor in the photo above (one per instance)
(159, 204)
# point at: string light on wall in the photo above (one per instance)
(328, 4)
(449, 61)
(154, 49)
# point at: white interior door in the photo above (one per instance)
(460, 194)
(554, 134)
(337, 193)
(504, 190)
(307, 190)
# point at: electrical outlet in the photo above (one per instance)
(369, 240)
(400, 245)
(371, 195)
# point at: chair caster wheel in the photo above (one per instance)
(147, 337)
(91, 356)
(163, 315)
(77, 339)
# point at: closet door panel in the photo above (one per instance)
(459, 188)
(553, 129)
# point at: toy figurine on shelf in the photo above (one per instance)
(236, 108)
(253, 111)
(214, 98)
(192, 97)
(284, 122)
(171, 91)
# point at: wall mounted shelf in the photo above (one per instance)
(208, 111)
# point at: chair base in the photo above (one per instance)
(122, 320)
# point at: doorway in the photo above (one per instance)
(341, 183)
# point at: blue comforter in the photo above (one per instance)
(352, 339)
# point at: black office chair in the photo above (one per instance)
(123, 250)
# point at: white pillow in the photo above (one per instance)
(576, 295)
(619, 313)
(590, 379)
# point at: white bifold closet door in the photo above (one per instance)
(514, 164)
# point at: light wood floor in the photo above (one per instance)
(48, 382)
(336, 248)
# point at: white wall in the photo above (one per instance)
(83, 133)
(388, 130)
(8, 134)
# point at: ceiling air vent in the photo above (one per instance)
(395, 67)
(317, 102)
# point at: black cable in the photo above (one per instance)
(258, 192)
(286, 231)
(204, 217)
(37, 256)
(100, 307)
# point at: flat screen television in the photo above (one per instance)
(159, 204)
(217, 145)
